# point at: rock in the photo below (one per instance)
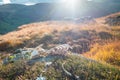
(60, 49)
(41, 78)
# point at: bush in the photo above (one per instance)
(4, 46)
(113, 21)
(11, 71)
(46, 39)
(9, 44)
(105, 35)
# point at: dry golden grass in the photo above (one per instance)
(113, 15)
(109, 53)
(27, 32)
(116, 28)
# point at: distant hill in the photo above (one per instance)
(14, 15)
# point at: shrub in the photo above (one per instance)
(10, 71)
(113, 21)
(9, 44)
(4, 45)
(46, 39)
(105, 35)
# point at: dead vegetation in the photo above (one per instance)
(113, 20)
(82, 37)
(97, 41)
(109, 53)
(63, 32)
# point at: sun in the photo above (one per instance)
(6, 1)
(71, 3)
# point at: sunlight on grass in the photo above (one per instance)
(109, 53)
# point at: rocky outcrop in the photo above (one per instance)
(60, 49)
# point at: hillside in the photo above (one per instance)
(14, 15)
(75, 65)
(64, 50)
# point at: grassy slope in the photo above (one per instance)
(39, 29)
(77, 65)
(14, 15)
(109, 52)
(86, 69)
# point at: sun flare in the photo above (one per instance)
(6, 1)
(71, 4)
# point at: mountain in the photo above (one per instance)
(14, 15)
(8, 21)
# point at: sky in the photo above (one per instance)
(7, 1)
(27, 1)
(31, 1)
